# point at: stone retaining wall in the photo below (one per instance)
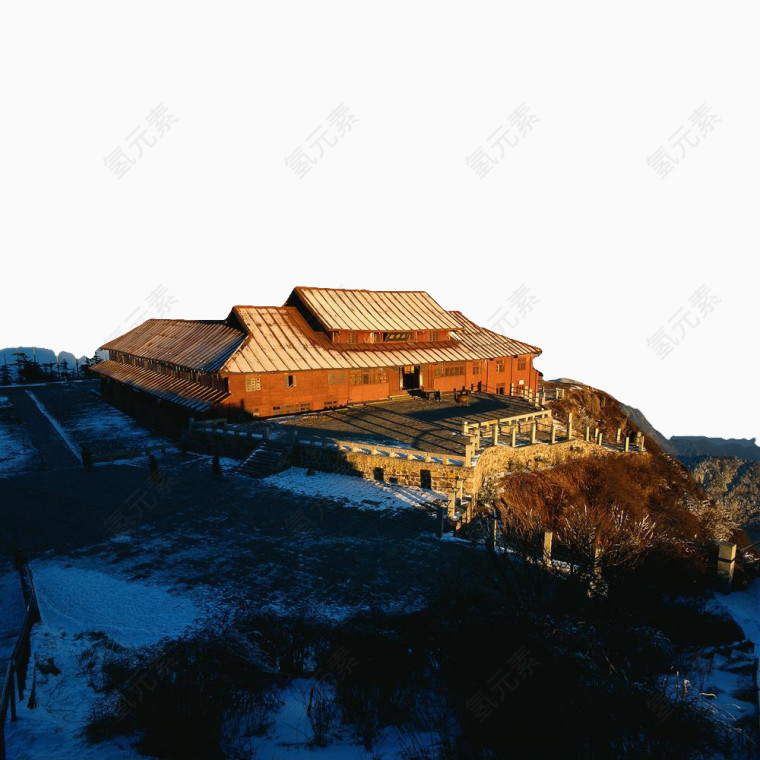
(493, 460)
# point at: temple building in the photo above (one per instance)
(324, 348)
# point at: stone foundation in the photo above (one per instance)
(493, 460)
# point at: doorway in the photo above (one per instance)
(410, 377)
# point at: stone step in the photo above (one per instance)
(267, 459)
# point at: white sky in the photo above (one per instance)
(212, 213)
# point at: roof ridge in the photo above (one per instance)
(357, 290)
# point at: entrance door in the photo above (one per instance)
(410, 377)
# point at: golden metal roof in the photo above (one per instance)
(196, 345)
(195, 396)
(280, 340)
(382, 310)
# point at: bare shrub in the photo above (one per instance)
(607, 536)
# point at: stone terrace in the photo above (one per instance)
(411, 422)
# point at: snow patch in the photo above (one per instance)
(353, 491)
(76, 600)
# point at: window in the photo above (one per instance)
(253, 383)
(476, 368)
(521, 363)
(449, 370)
(291, 381)
(333, 378)
(500, 365)
(395, 337)
(352, 337)
(367, 376)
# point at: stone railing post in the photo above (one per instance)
(513, 430)
(617, 435)
(452, 506)
(554, 432)
(468, 452)
(465, 427)
(588, 433)
(601, 438)
(547, 552)
(533, 430)
(627, 443)
(491, 538)
(726, 564)
(570, 426)
(495, 434)
(642, 444)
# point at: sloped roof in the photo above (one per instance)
(195, 396)
(204, 346)
(387, 310)
(280, 340)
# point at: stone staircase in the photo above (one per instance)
(270, 457)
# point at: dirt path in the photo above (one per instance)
(53, 449)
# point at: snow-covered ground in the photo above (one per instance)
(17, 454)
(105, 427)
(74, 603)
(744, 608)
(353, 491)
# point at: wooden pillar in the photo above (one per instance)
(465, 426)
(495, 434)
(588, 433)
(548, 539)
(554, 432)
(627, 443)
(726, 564)
(642, 444)
(570, 426)
(617, 435)
(601, 438)
(513, 430)
(533, 429)
(596, 435)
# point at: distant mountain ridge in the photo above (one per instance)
(693, 446)
(50, 365)
(40, 355)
